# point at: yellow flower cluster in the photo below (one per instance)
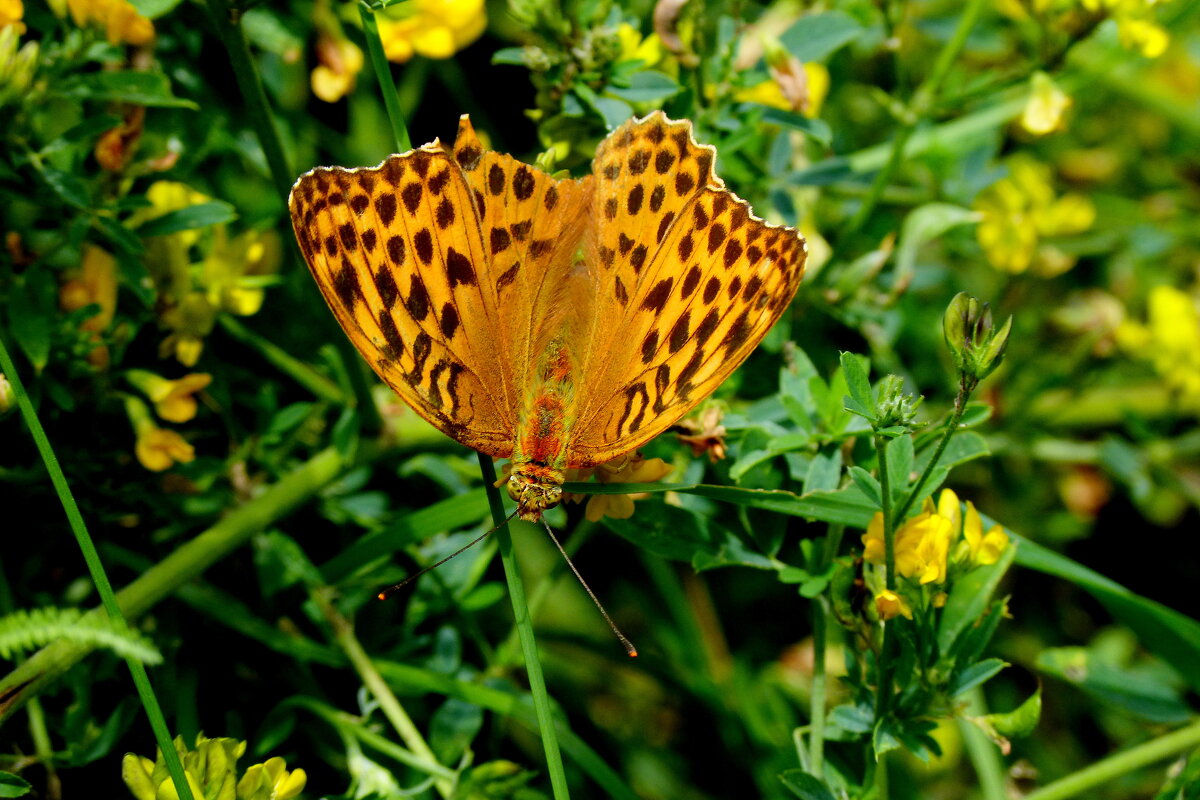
(232, 274)
(121, 21)
(928, 546)
(1170, 340)
(1136, 27)
(1019, 212)
(211, 773)
(431, 28)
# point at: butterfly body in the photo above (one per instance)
(559, 323)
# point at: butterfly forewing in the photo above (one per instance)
(398, 255)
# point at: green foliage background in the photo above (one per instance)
(943, 157)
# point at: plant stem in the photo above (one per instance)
(884, 691)
(533, 665)
(228, 22)
(960, 407)
(343, 634)
(816, 740)
(321, 387)
(889, 521)
(922, 103)
(1102, 772)
(383, 74)
(136, 669)
(982, 751)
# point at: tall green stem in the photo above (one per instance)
(383, 74)
(107, 597)
(960, 406)
(229, 28)
(533, 664)
(816, 741)
(883, 697)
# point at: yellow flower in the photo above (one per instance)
(271, 781)
(626, 469)
(11, 13)
(890, 605)
(173, 400)
(984, 548)
(237, 269)
(121, 21)
(922, 545)
(8, 398)
(1046, 105)
(1143, 35)
(1020, 211)
(633, 47)
(802, 88)
(431, 28)
(94, 283)
(340, 62)
(1170, 340)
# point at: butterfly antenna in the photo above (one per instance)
(391, 590)
(629, 648)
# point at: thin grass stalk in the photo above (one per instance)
(140, 679)
(383, 74)
(533, 664)
(982, 751)
(343, 635)
(1090, 779)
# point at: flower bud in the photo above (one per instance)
(896, 407)
(977, 347)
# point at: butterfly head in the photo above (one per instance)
(536, 488)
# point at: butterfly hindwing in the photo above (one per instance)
(398, 255)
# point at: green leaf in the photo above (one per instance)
(13, 785)
(1142, 694)
(1173, 637)
(814, 36)
(868, 484)
(124, 239)
(85, 131)
(153, 9)
(816, 129)
(900, 467)
(1021, 720)
(922, 225)
(201, 215)
(970, 597)
(847, 506)
(611, 110)
(804, 785)
(29, 318)
(645, 87)
(509, 55)
(683, 535)
(151, 89)
(856, 368)
(975, 675)
(886, 737)
(69, 188)
(824, 472)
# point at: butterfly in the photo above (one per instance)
(559, 323)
